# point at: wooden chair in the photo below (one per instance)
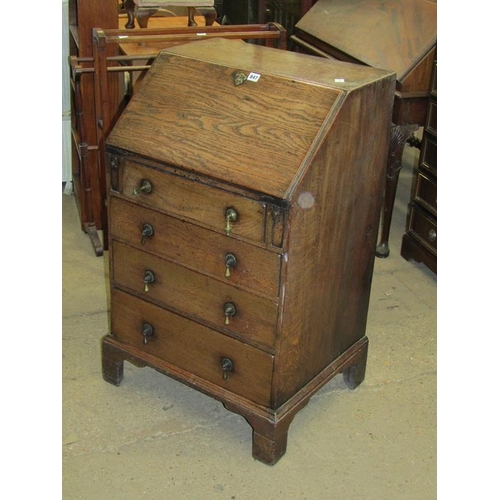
(142, 10)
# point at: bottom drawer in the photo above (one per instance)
(424, 228)
(192, 347)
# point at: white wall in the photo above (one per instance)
(66, 102)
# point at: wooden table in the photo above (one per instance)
(398, 35)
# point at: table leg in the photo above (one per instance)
(399, 134)
(129, 7)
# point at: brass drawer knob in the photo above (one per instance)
(147, 232)
(231, 216)
(432, 235)
(147, 332)
(227, 366)
(149, 277)
(229, 311)
(230, 261)
(146, 187)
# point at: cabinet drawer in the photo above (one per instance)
(192, 347)
(431, 122)
(428, 155)
(195, 247)
(192, 200)
(196, 295)
(426, 192)
(424, 228)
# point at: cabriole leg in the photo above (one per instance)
(399, 134)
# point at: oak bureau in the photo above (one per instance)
(244, 187)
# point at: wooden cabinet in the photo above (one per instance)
(86, 169)
(245, 184)
(420, 239)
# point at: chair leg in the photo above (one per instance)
(129, 7)
(142, 15)
(209, 13)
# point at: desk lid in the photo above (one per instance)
(389, 34)
(259, 135)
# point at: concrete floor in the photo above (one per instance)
(154, 438)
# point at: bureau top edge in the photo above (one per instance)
(338, 75)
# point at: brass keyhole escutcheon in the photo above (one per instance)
(147, 331)
(227, 366)
(146, 187)
(147, 232)
(149, 278)
(231, 216)
(239, 77)
(229, 311)
(230, 260)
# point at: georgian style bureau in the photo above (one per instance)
(245, 184)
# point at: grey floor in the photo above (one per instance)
(153, 438)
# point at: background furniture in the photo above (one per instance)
(398, 35)
(86, 170)
(88, 128)
(284, 12)
(241, 240)
(142, 10)
(420, 241)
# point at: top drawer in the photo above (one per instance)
(189, 199)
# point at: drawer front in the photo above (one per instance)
(196, 247)
(189, 199)
(423, 228)
(196, 295)
(192, 347)
(431, 124)
(426, 192)
(428, 154)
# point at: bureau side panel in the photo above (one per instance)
(331, 235)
